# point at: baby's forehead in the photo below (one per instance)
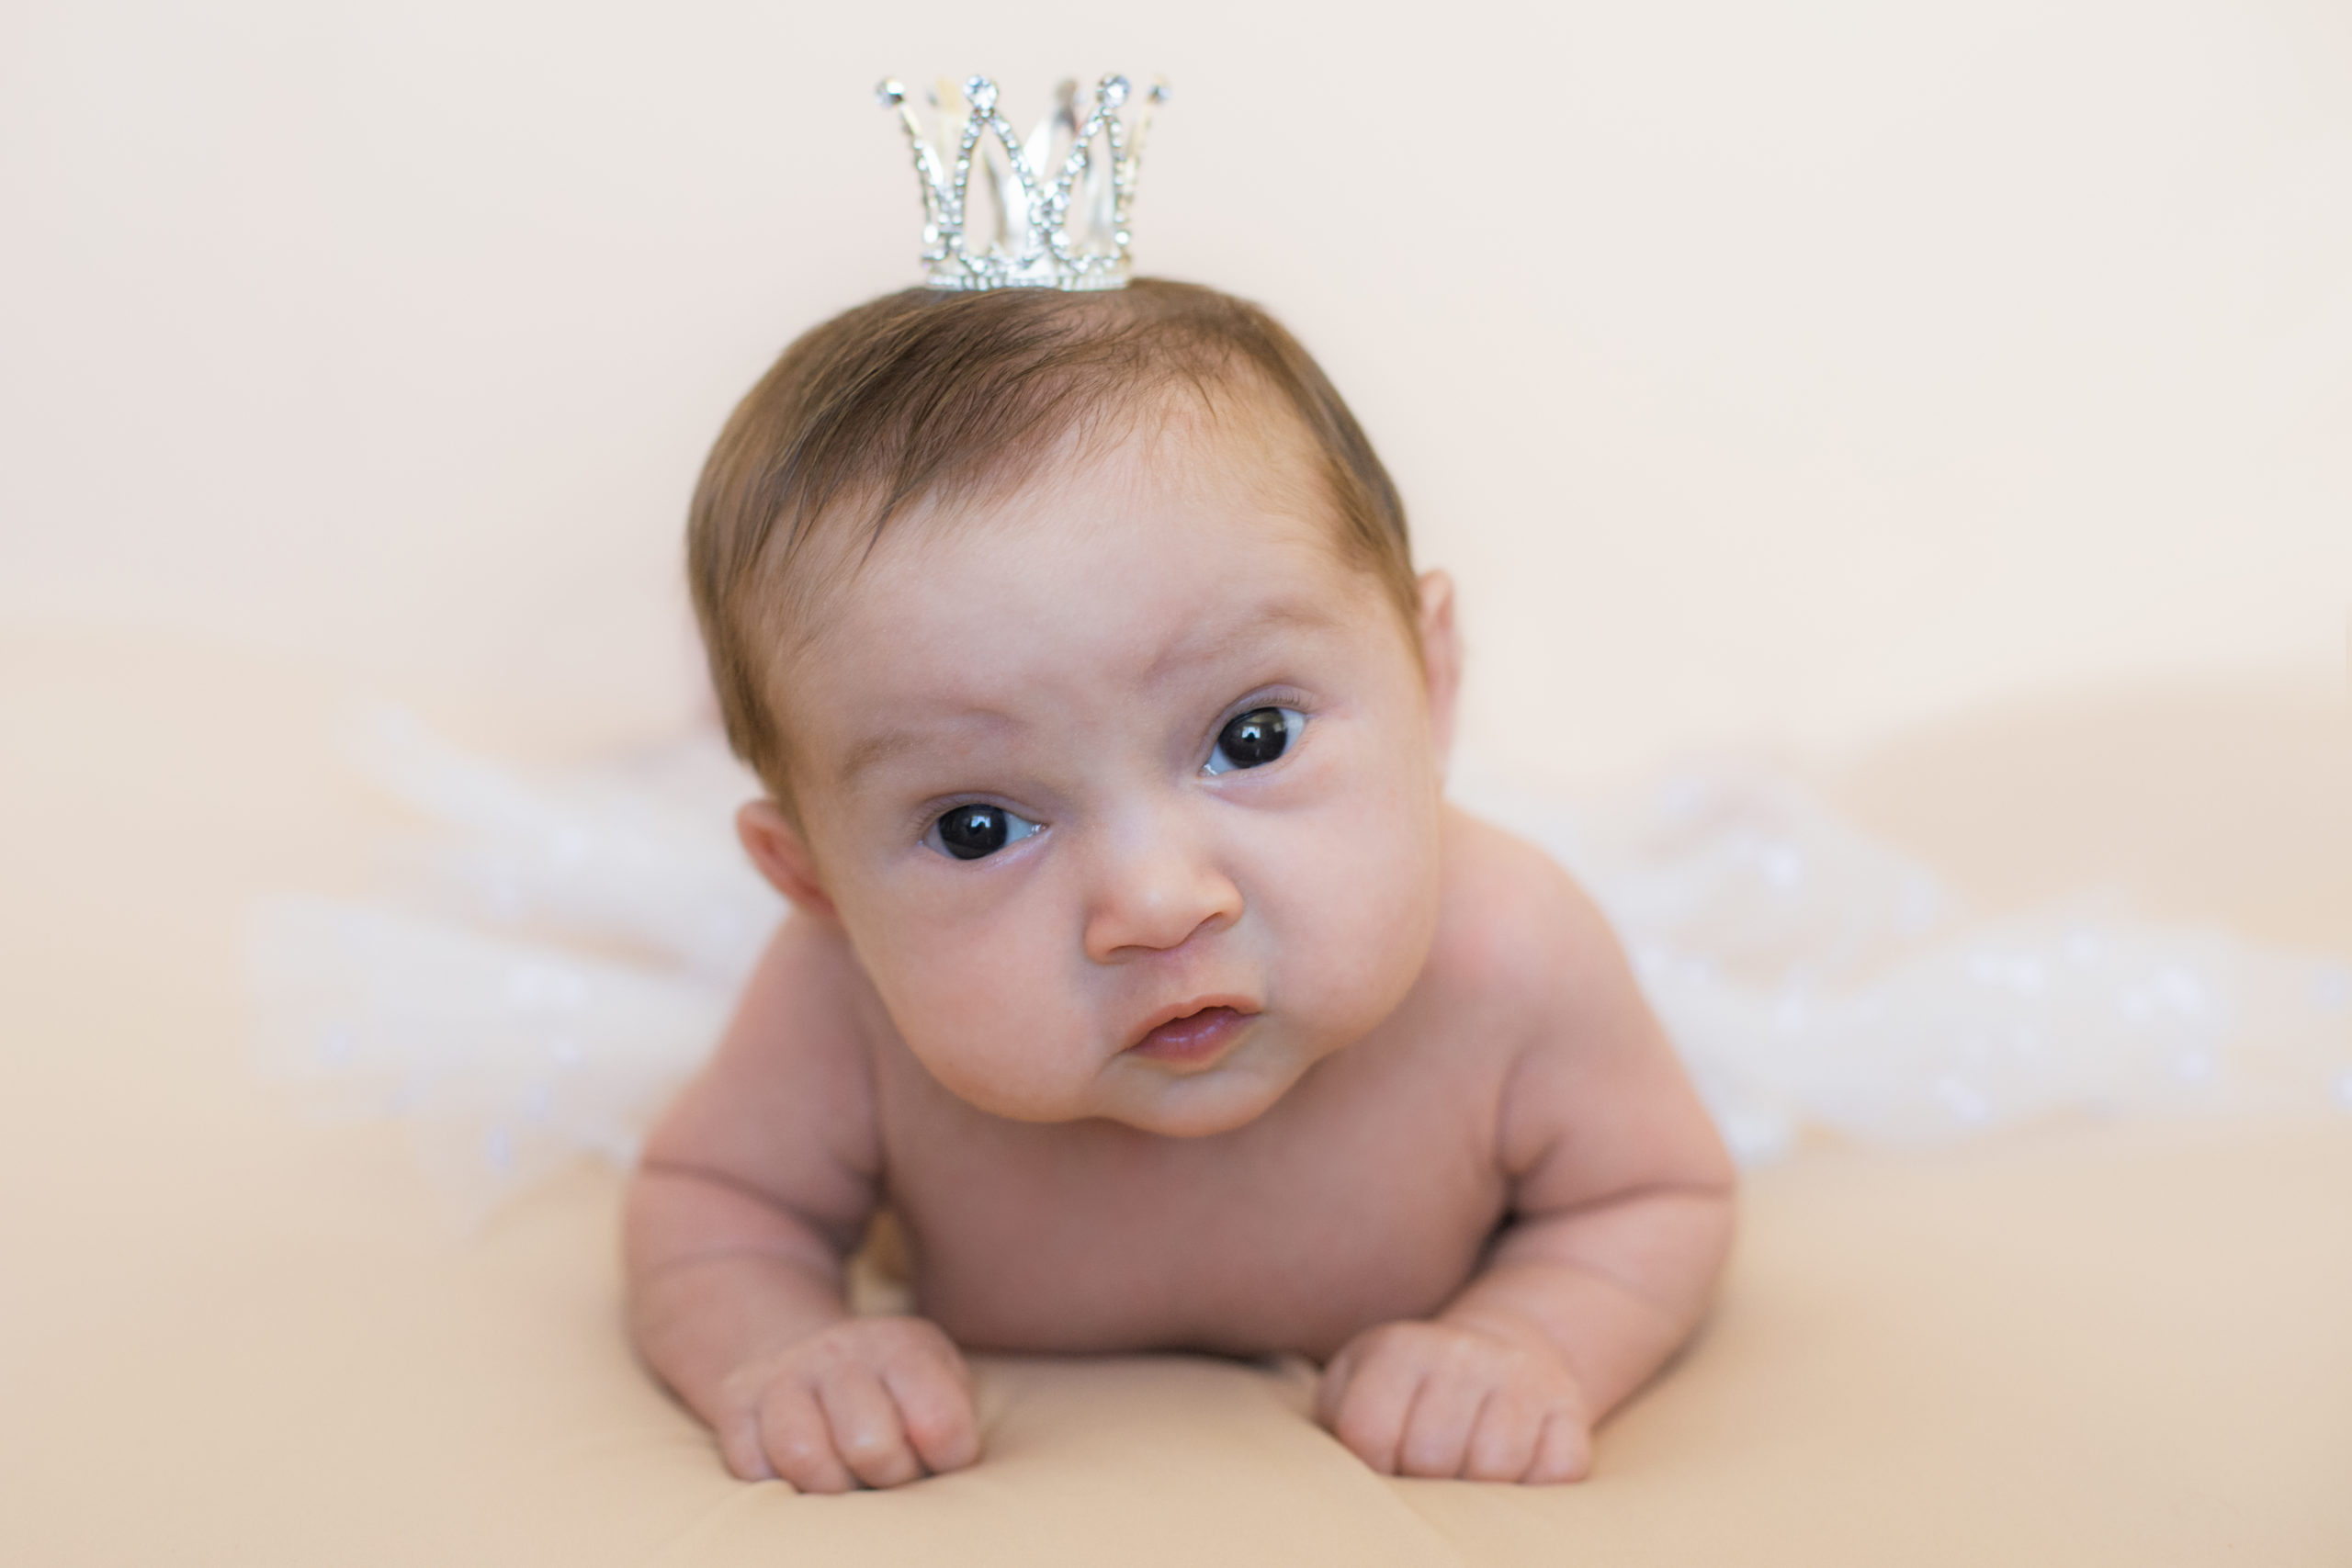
(1190, 503)
(1168, 447)
(1214, 444)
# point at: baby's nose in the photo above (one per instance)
(1152, 890)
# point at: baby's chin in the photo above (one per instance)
(1147, 1096)
(1195, 1111)
(1151, 1097)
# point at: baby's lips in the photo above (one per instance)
(1196, 1031)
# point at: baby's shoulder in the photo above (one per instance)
(1512, 922)
(796, 1057)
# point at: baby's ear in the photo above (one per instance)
(776, 847)
(1440, 655)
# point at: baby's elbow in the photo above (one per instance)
(1696, 1225)
(1709, 1231)
(1712, 1169)
(1723, 1216)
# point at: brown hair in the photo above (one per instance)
(924, 395)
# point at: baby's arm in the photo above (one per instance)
(1621, 1218)
(755, 1187)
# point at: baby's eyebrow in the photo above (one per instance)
(1272, 616)
(884, 745)
(873, 752)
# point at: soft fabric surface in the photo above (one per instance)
(235, 1334)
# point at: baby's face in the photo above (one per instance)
(1126, 788)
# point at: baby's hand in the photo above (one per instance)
(1437, 1399)
(877, 1400)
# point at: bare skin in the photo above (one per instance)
(1277, 1057)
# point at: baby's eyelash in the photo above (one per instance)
(1266, 697)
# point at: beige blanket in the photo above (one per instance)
(228, 1334)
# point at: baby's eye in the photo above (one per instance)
(1255, 738)
(975, 828)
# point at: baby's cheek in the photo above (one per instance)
(1352, 906)
(990, 1020)
(1018, 1078)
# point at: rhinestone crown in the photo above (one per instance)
(1069, 231)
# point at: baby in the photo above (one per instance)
(1138, 965)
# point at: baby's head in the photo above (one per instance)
(1077, 641)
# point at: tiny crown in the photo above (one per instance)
(1058, 206)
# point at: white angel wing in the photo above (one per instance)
(562, 954)
(1812, 977)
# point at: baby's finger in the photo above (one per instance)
(1370, 1416)
(1502, 1442)
(739, 1444)
(935, 1407)
(798, 1444)
(1437, 1429)
(1333, 1387)
(1562, 1452)
(867, 1429)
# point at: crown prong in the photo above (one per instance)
(892, 95)
(1131, 158)
(1012, 189)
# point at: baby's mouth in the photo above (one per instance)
(1195, 1039)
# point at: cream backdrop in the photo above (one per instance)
(1795, 371)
